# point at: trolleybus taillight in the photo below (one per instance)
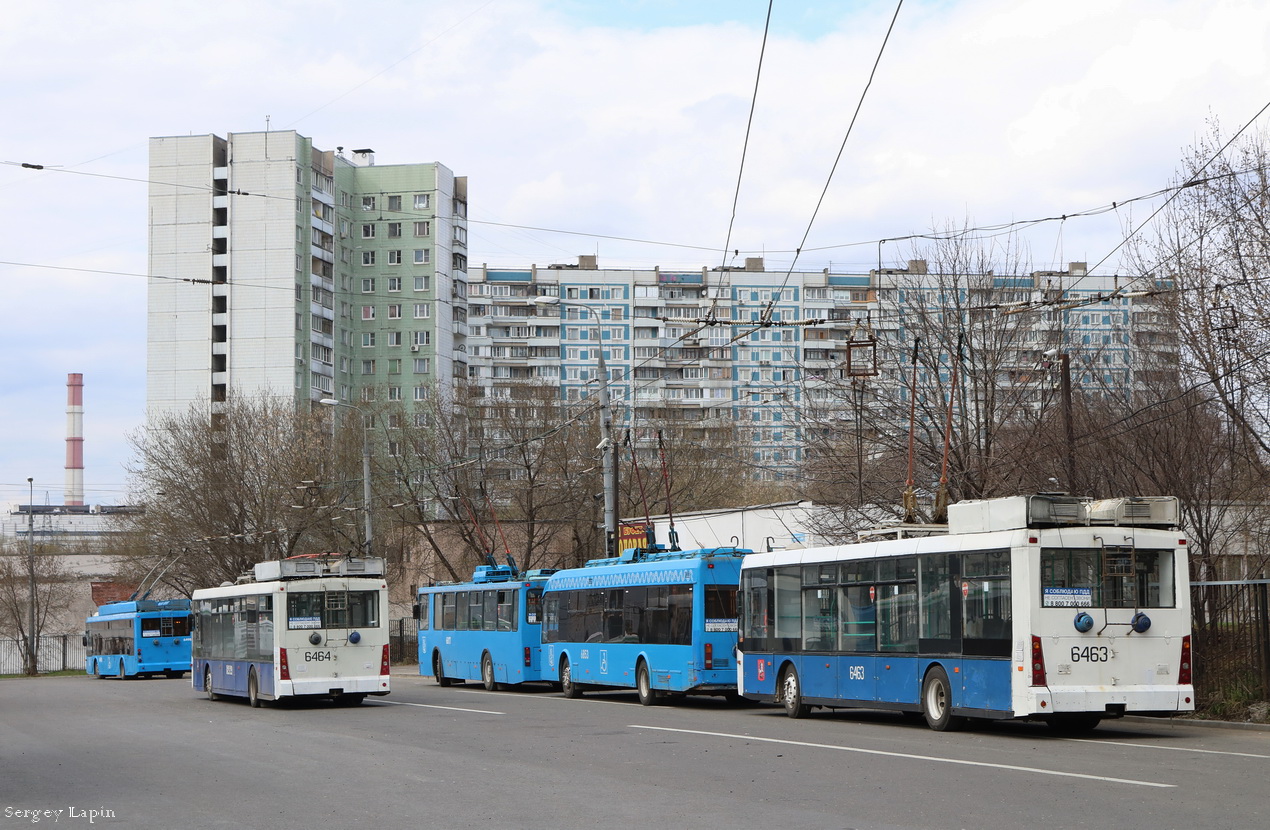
(1184, 671)
(1038, 662)
(384, 668)
(283, 669)
(709, 656)
(526, 656)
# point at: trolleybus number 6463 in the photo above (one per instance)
(1090, 654)
(317, 656)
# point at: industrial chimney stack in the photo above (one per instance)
(74, 439)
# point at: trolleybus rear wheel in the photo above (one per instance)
(937, 702)
(487, 673)
(253, 689)
(567, 687)
(123, 674)
(207, 683)
(437, 673)
(644, 685)
(792, 695)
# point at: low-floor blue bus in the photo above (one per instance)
(488, 629)
(654, 620)
(312, 626)
(1045, 607)
(138, 638)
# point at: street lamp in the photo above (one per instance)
(607, 447)
(365, 468)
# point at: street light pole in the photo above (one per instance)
(366, 498)
(32, 658)
(607, 447)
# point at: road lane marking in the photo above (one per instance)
(1173, 748)
(433, 706)
(910, 756)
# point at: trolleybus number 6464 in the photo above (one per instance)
(1090, 654)
(317, 656)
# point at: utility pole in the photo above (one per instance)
(608, 459)
(1066, 381)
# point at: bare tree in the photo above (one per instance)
(21, 565)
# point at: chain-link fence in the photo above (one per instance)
(55, 652)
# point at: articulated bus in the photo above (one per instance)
(654, 620)
(305, 626)
(138, 638)
(489, 629)
(1042, 607)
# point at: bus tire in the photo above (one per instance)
(644, 685)
(567, 687)
(937, 702)
(487, 673)
(123, 673)
(207, 684)
(792, 695)
(438, 672)
(253, 689)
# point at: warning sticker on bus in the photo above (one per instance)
(304, 622)
(1068, 597)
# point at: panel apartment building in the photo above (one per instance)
(276, 267)
(666, 368)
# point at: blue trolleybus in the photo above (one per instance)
(654, 620)
(489, 629)
(139, 638)
(1046, 607)
(305, 626)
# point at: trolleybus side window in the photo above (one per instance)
(789, 618)
(756, 606)
(422, 613)
(533, 606)
(986, 617)
(897, 605)
(448, 604)
(820, 608)
(936, 597)
(1107, 578)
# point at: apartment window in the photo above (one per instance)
(368, 367)
(423, 201)
(394, 338)
(368, 285)
(460, 235)
(423, 256)
(368, 203)
(394, 283)
(394, 394)
(423, 311)
(394, 257)
(394, 366)
(368, 312)
(421, 338)
(368, 231)
(423, 228)
(394, 311)
(394, 203)
(368, 257)
(368, 394)
(394, 230)
(423, 283)
(368, 339)
(421, 393)
(423, 365)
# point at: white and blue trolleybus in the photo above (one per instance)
(1046, 607)
(306, 626)
(655, 620)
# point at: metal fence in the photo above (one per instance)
(1231, 640)
(54, 652)
(403, 642)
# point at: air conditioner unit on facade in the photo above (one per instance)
(414, 347)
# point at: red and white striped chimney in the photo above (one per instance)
(74, 439)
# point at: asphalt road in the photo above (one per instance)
(154, 754)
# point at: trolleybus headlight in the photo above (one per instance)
(1140, 622)
(1083, 622)
(354, 638)
(315, 638)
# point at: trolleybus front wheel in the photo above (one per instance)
(207, 683)
(437, 673)
(123, 674)
(644, 685)
(792, 695)
(937, 702)
(567, 687)
(487, 673)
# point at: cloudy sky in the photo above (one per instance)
(609, 127)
